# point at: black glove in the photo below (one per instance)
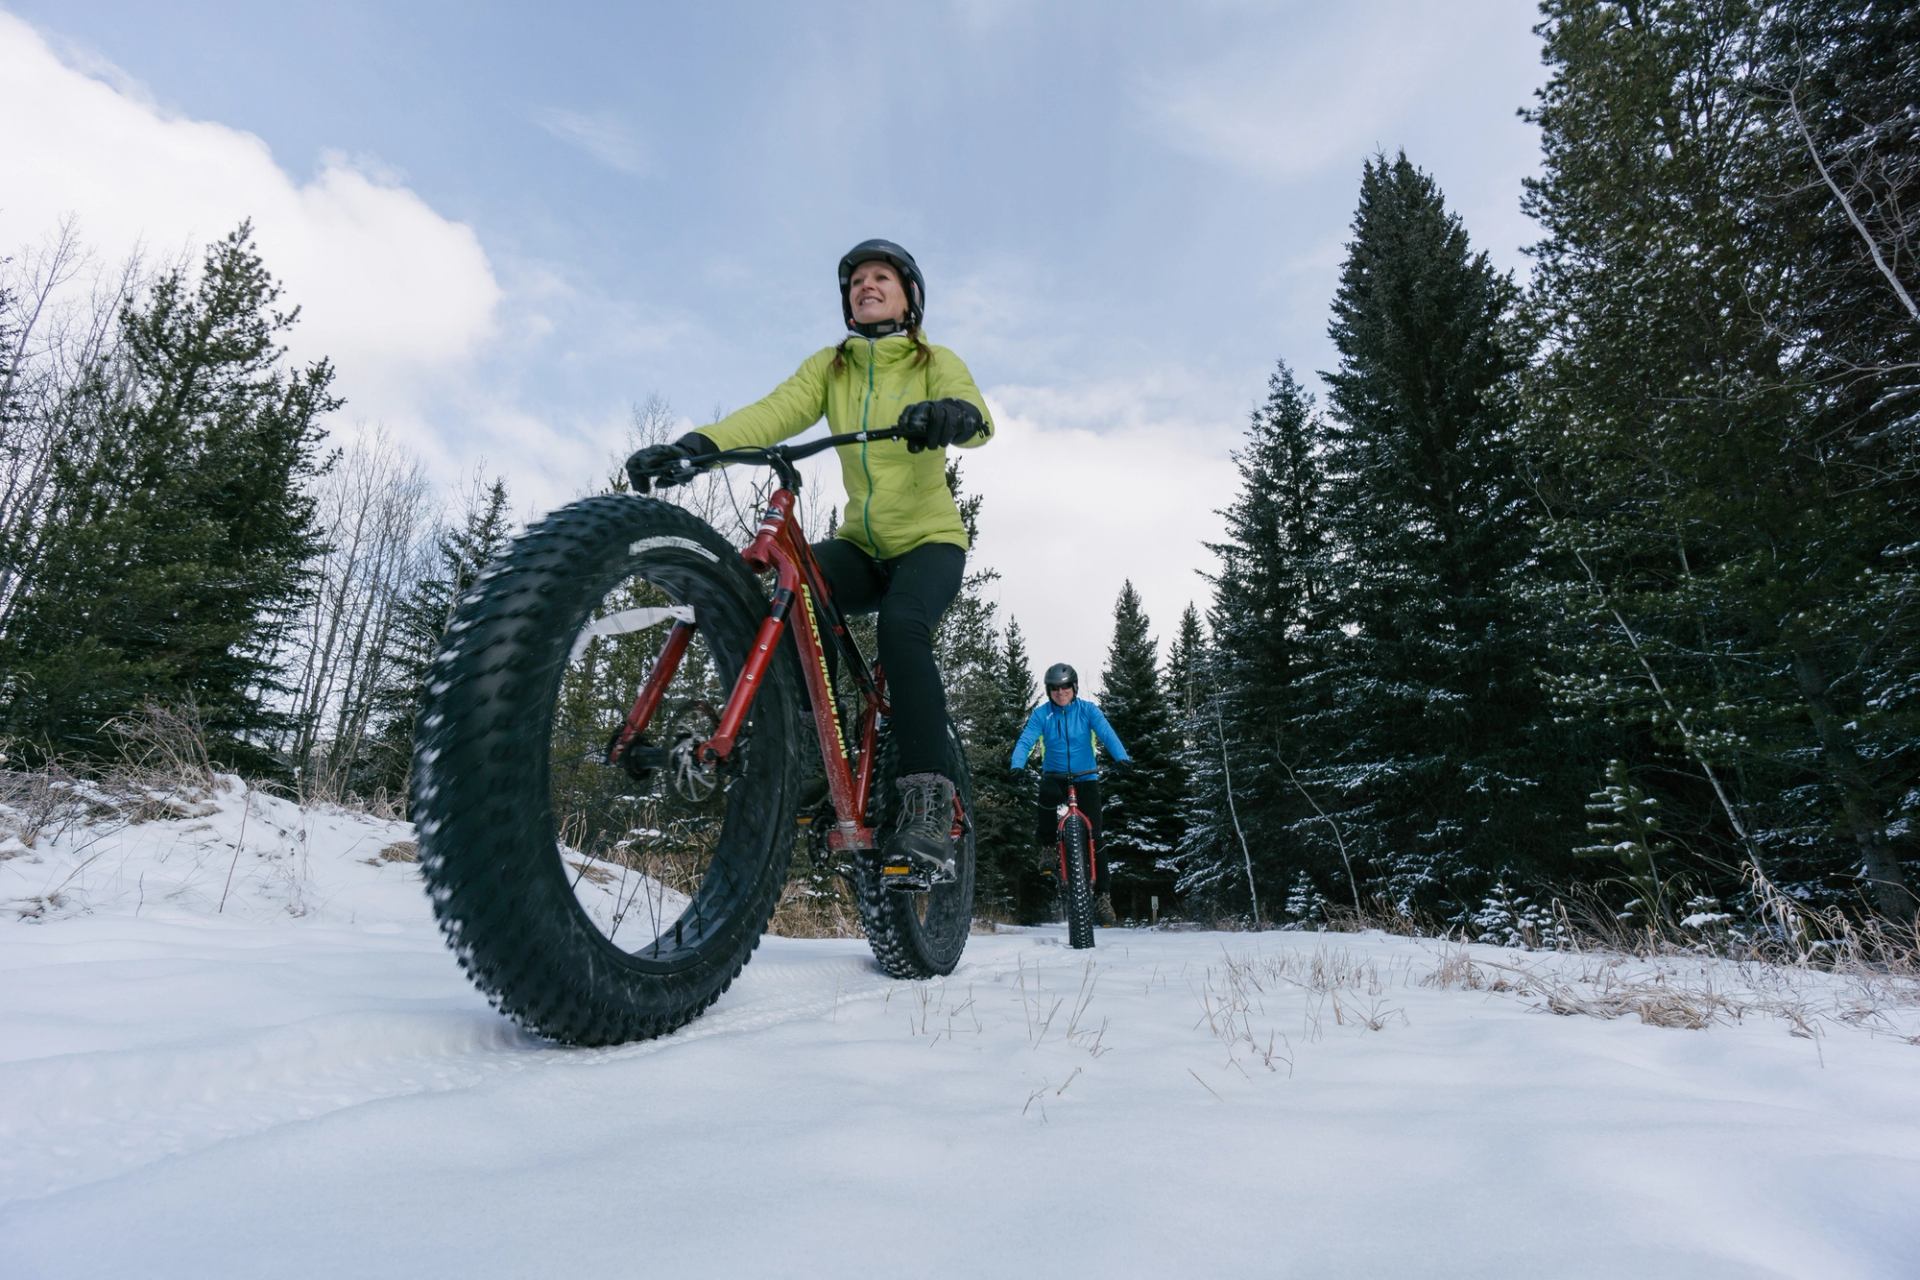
(668, 464)
(935, 424)
(1120, 768)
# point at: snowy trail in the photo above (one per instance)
(109, 1110)
(305, 1085)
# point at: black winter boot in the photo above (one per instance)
(1049, 860)
(919, 853)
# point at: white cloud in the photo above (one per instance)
(1324, 102)
(393, 292)
(600, 134)
(1070, 513)
(986, 17)
(985, 310)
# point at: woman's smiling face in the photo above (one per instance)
(875, 294)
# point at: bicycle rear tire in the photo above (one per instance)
(918, 935)
(1074, 839)
(486, 776)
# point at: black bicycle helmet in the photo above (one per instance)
(902, 261)
(1060, 675)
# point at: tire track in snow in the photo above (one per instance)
(99, 1115)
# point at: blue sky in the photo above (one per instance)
(508, 227)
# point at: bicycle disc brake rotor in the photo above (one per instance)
(693, 779)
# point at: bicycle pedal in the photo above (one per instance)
(915, 877)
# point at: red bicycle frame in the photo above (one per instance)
(778, 545)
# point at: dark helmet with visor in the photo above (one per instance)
(1062, 676)
(901, 261)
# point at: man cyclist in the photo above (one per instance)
(1065, 726)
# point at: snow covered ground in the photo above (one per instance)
(232, 1044)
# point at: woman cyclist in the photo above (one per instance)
(901, 548)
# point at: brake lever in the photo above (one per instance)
(671, 476)
(681, 472)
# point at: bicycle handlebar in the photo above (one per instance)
(780, 457)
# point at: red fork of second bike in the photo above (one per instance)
(1073, 811)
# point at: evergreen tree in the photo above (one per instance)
(1031, 894)
(1184, 658)
(420, 623)
(1444, 736)
(987, 714)
(1305, 905)
(1257, 693)
(173, 554)
(1017, 683)
(1141, 813)
(1731, 481)
(1621, 823)
(1836, 83)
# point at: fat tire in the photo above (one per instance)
(917, 935)
(488, 845)
(1079, 888)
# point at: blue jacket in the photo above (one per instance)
(1065, 735)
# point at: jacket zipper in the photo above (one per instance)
(866, 506)
(1062, 715)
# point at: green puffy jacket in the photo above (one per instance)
(896, 500)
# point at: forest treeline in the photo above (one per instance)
(1599, 584)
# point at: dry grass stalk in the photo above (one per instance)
(1693, 993)
(164, 749)
(807, 912)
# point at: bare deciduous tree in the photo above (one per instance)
(58, 371)
(377, 508)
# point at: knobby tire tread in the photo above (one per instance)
(1079, 888)
(499, 888)
(904, 945)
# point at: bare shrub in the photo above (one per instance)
(1456, 969)
(1655, 1004)
(33, 800)
(1387, 917)
(164, 748)
(50, 800)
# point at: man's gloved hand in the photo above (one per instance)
(1120, 768)
(667, 464)
(935, 424)
(1018, 773)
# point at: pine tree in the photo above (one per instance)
(1141, 813)
(1030, 894)
(1256, 691)
(987, 715)
(1446, 754)
(1184, 658)
(173, 555)
(1836, 83)
(1731, 483)
(1305, 905)
(1510, 917)
(1621, 824)
(1017, 683)
(422, 619)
